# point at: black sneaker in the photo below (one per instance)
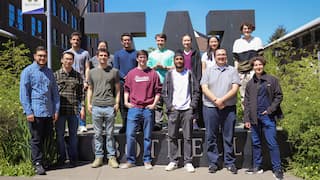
(233, 169)
(39, 169)
(213, 169)
(278, 174)
(256, 170)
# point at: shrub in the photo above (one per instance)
(300, 82)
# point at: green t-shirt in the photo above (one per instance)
(165, 57)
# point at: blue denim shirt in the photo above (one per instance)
(38, 91)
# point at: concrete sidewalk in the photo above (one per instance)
(85, 172)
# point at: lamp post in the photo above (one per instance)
(48, 13)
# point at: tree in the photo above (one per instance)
(279, 32)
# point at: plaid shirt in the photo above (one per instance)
(71, 91)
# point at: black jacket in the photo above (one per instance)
(274, 94)
(167, 90)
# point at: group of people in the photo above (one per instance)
(192, 87)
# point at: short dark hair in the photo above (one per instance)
(40, 48)
(142, 52)
(105, 42)
(178, 53)
(69, 53)
(161, 35)
(258, 58)
(75, 34)
(103, 50)
(126, 34)
(250, 26)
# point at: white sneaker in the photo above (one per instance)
(171, 166)
(189, 167)
(83, 129)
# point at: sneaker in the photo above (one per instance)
(127, 165)
(233, 169)
(278, 174)
(97, 162)
(256, 170)
(148, 166)
(189, 167)
(112, 162)
(39, 169)
(213, 169)
(171, 166)
(83, 129)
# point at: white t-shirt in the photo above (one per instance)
(209, 62)
(181, 96)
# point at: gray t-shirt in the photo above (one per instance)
(103, 85)
(220, 83)
(81, 57)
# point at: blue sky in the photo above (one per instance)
(268, 14)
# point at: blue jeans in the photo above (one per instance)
(268, 126)
(82, 122)
(135, 117)
(100, 115)
(225, 119)
(72, 121)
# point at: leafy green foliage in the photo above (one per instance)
(14, 133)
(22, 169)
(300, 82)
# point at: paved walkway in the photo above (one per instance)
(85, 172)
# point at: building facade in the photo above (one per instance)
(31, 29)
(89, 42)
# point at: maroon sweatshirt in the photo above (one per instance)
(142, 86)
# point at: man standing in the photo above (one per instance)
(220, 84)
(244, 49)
(161, 60)
(181, 95)
(71, 92)
(81, 65)
(262, 109)
(124, 61)
(142, 92)
(104, 83)
(40, 100)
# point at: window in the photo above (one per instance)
(33, 26)
(306, 39)
(20, 20)
(54, 36)
(66, 41)
(15, 17)
(12, 15)
(36, 27)
(39, 23)
(54, 7)
(74, 22)
(62, 41)
(62, 13)
(66, 14)
(317, 35)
